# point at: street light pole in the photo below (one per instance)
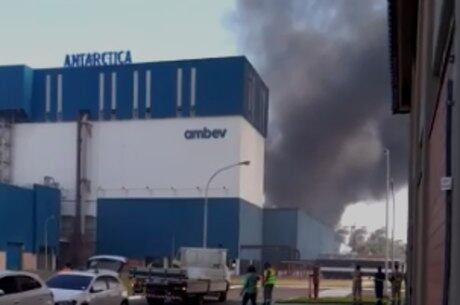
(46, 239)
(393, 227)
(206, 193)
(387, 214)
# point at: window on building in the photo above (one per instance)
(59, 97)
(179, 92)
(251, 97)
(101, 95)
(114, 95)
(192, 91)
(47, 97)
(148, 94)
(135, 94)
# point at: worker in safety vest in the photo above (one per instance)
(268, 281)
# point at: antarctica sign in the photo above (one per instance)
(96, 59)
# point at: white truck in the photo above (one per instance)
(196, 273)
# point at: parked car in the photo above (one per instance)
(23, 288)
(92, 287)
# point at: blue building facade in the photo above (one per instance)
(291, 233)
(184, 88)
(156, 228)
(142, 228)
(24, 213)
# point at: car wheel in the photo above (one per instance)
(198, 300)
(155, 301)
(223, 296)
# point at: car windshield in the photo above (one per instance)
(105, 264)
(70, 281)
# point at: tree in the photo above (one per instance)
(357, 240)
(374, 244)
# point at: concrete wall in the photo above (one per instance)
(251, 231)
(47, 149)
(143, 159)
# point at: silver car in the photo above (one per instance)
(92, 287)
(23, 288)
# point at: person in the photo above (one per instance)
(67, 267)
(357, 284)
(249, 291)
(316, 276)
(379, 280)
(268, 281)
(396, 280)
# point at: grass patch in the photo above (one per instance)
(331, 301)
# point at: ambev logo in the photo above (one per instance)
(205, 133)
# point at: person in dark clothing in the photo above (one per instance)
(379, 280)
(316, 276)
(249, 291)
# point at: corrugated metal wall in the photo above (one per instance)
(155, 228)
(23, 213)
(315, 238)
(221, 86)
(251, 231)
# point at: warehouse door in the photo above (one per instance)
(14, 256)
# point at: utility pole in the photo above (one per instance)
(387, 214)
(46, 239)
(206, 193)
(393, 227)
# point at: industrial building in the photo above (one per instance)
(131, 148)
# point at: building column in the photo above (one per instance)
(454, 294)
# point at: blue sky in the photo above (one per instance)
(39, 33)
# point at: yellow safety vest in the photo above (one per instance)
(270, 277)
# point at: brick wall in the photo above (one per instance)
(434, 231)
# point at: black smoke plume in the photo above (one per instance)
(326, 63)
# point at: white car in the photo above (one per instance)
(23, 288)
(93, 287)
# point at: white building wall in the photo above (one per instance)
(46, 149)
(252, 148)
(143, 158)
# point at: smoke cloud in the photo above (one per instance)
(326, 63)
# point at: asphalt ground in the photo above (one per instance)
(234, 296)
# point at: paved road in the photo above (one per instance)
(234, 297)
